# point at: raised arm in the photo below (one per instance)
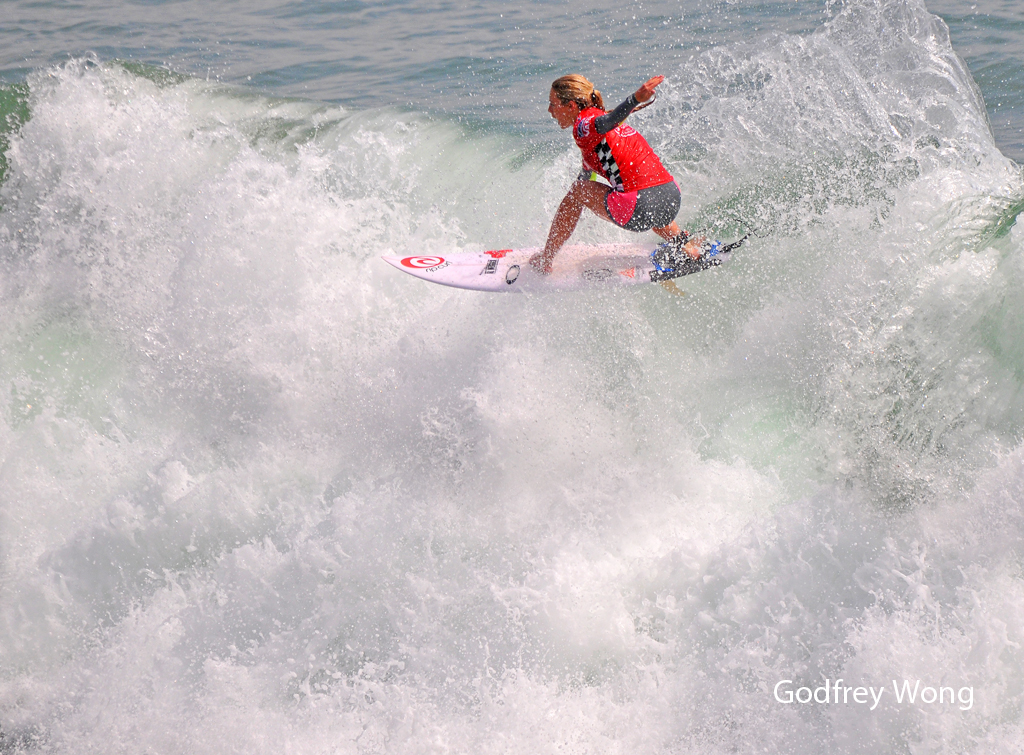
(605, 123)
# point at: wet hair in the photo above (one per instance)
(576, 88)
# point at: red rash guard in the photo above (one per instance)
(622, 155)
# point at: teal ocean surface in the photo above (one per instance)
(261, 493)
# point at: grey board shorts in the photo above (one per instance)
(653, 207)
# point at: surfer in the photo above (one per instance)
(640, 195)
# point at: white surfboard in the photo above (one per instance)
(574, 268)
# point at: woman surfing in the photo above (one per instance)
(640, 195)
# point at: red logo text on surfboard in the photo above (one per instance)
(420, 263)
(498, 253)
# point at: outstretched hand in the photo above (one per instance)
(646, 90)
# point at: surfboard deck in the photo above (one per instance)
(574, 268)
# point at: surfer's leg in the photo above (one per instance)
(668, 232)
(582, 194)
(654, 209)
(682, 242)
(593, 196)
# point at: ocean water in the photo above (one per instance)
(261, 493)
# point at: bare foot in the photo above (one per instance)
(541, 264)
(693, 247)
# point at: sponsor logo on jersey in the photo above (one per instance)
(583, 127)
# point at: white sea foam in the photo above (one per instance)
(259, 492)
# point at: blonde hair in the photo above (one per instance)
(576, 88)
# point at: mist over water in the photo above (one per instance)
(259, 492)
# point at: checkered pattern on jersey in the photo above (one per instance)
(604, 154)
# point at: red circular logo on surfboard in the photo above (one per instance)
(422, 262)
